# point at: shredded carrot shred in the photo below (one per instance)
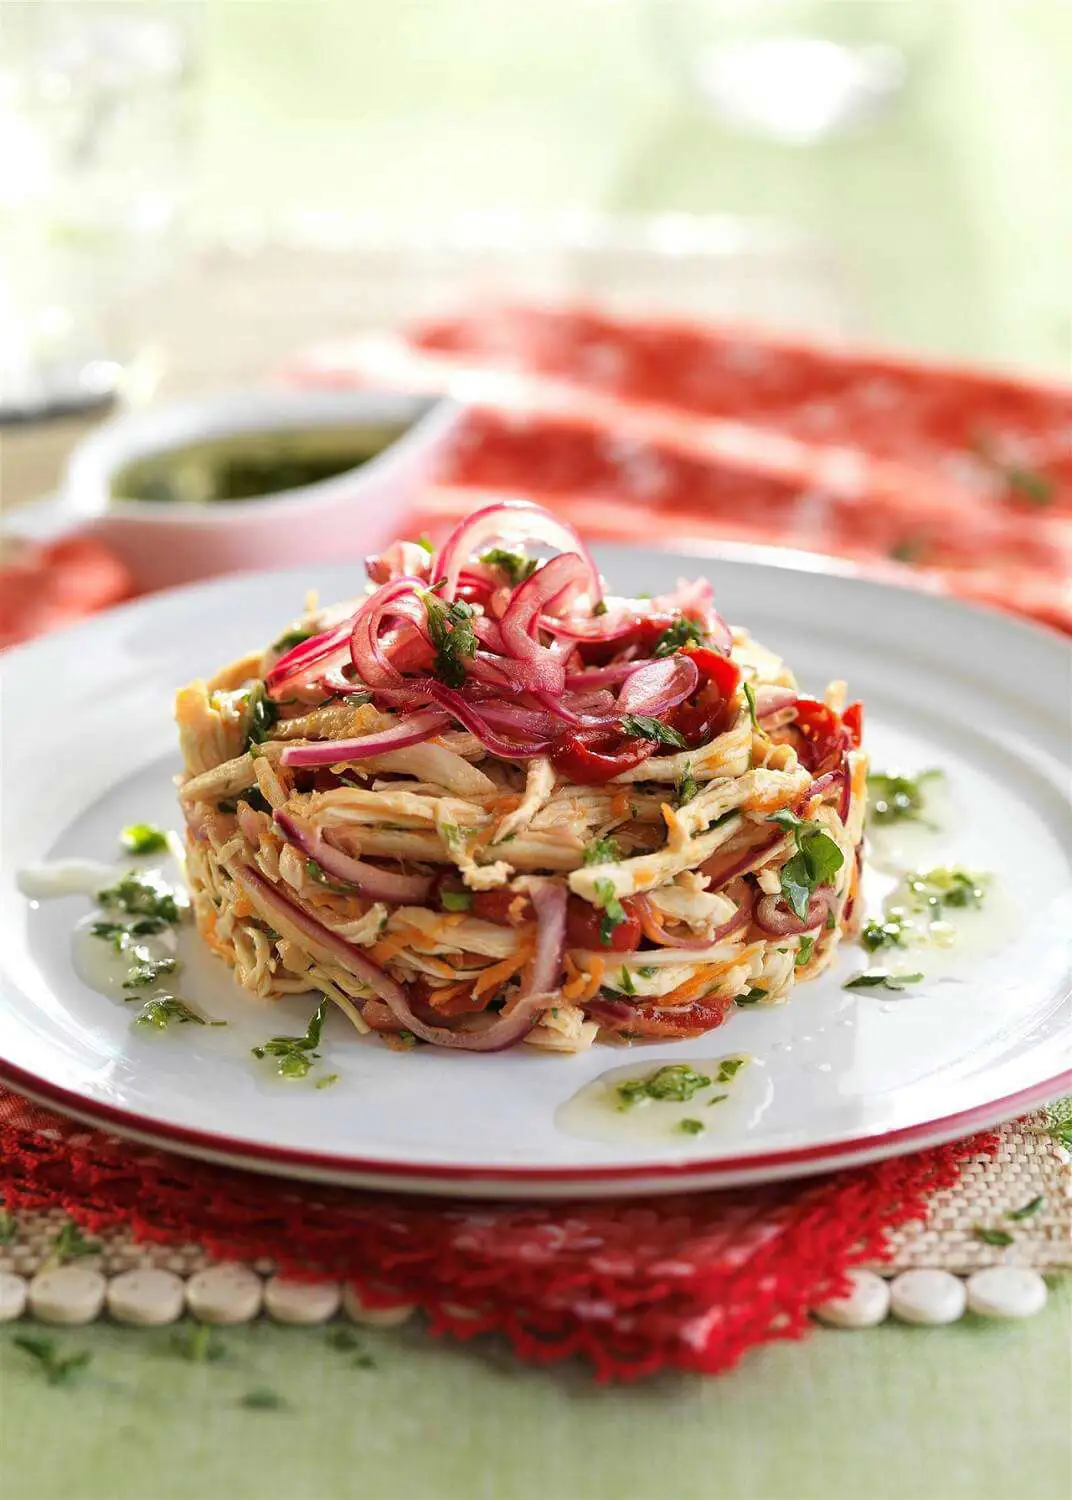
(494, 977)
(621, 805)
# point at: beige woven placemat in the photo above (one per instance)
(1031, 1170)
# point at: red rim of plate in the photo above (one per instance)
(252, 1156)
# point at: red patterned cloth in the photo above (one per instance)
(633, 1287)
(664, 434)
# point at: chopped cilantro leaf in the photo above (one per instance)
(750, 698)
(327, 1080)
(70, 1243)
(683, 632)
(989, 1236)
(625, 982)
(882, 979)
(453, 638)
(1029, 1209)
(56, 1367)
(599, 609)
(613, 911)
(728, 1068)
(143, 838)
(691, 1127)
(295, 1055)
(319, 874)
(141, 898)
(161, 1011)
(291, 638)
(752, 996)
(941, 887)
(640, 726)
(816, 862)
(602, 852)
(511, 561)
(889, 933)
(141, 975)
(804, 951)
(456, 900)
(677, 1082)
(261, 714)
(717, 1099)
(647, 971)
(895, 799)
(686, 788)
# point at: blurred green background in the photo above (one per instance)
(950, 218)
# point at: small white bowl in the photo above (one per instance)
(353, 513)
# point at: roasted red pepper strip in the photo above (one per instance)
(584, 928)
(853, 720)
(707, 713)
(822, 735)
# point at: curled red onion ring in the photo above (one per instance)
(513, 521)
(520, 623)
(773, 700)
(741, 863)
(659, 686)
(695, 599)
(369, 658)
(509, 1028)
(597, 677)
(399, 559)
(473, 719)
(413, 729)
(324, 651)
(371, 880)
(549, 900)
(775, 918)
(283, 913)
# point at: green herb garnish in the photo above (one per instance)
(613, 911)
(728, 1068)
(896, 799)
(683, 632)
(319, 874)
(56, 1367)
(690, 1127)
(511, 561)
(262, 1399)
(676, 1082)
(161, 1011)
(291, 638)
(327, 1080)
(1029, 1209)
(686, 788)
(198, 1343)
(750, 698)
(143, 838)
(804, 951)
(816, 862)
(456, 900)
(602, 852)
(70, 1243)
(890, 932)
(640, 726)
(941, 887)
(261, 714)
(752, 997)
(875, 979)
(296, 1054)
(625, 982)
(647, 971)
(141, 898)
(453, 638)
(142, 975)
(993, 1236)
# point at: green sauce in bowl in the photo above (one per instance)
(249, 466)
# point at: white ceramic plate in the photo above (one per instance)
(838, 1077)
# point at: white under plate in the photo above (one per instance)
(837, 1076)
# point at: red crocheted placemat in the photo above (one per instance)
(690, 1282)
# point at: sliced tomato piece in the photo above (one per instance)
(646, 1019)
(822, 737)
(853, 720)
(584, 928)
(707, 713)
(507, 908)
(593, 756)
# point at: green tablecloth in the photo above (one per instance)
(977, 1411)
